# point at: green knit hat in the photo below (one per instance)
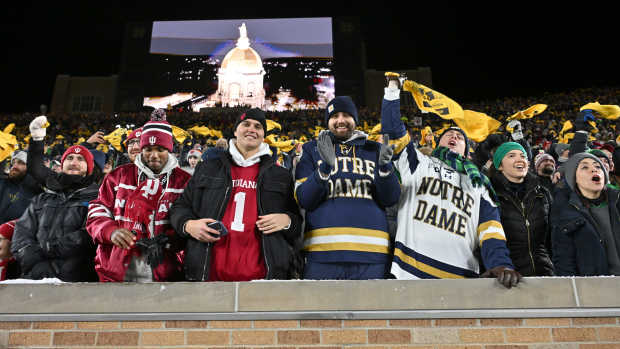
(503, 149)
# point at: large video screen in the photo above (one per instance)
(273, 64)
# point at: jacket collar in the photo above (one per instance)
(357, 138)
(142, 168)
(239, 160)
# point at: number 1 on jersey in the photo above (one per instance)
(237, 223)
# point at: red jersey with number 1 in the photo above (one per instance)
(238, 256)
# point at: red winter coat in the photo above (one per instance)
(127, 199)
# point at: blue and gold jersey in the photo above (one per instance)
(345, 214)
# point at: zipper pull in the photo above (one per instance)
(527, 223)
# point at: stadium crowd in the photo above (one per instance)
(323, 194)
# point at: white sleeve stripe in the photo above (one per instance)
(99, 215)
(172, 190)
(162, 222)
(124, 186)
(92, 210)
(121, 218)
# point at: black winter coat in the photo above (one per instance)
(207, 195)
(50, 239)
(578, 249)
(526, 225)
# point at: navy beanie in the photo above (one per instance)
(454, 128)
(341, 104)
(99, 158)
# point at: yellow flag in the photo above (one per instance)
(594, 129)
(609, 112)
(179, 134)
(103, 148)
(376, 129)
(8, 142)
(272, 124)
(423, 133)
(115, 137)
(529, 112)
(567, 126)
(477, 126)
(9, 128)
(567, 137)
(217, 133)
(284, 146)
(433, 101)
(201, 131)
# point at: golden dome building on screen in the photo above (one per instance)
(240, 77)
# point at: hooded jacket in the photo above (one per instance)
(126, 201)
(50, 239)
(207, 195)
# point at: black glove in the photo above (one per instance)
(504, 275)
(581, 121)
(29, 256)
(153, 249)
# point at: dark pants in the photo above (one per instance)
(344, 271)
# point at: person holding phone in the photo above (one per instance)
(238, 212)
(345, 182)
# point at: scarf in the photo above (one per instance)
(63, 182)
(465, 166)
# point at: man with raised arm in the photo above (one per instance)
(447, 208)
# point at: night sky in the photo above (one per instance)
(474, 53)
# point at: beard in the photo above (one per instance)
(547, 171)
(16, 175)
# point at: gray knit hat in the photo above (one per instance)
(570, 168)
(19, 155)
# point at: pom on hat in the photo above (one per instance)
(80, 150)
(158, 115)
(157, 131)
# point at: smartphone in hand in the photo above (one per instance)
(219, 226)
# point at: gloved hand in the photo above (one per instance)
(385, 154)
(517, 130)
(581, 121)
(153, 249)
(504, 275)
(393, 80)
(37, 128)
(325, 146)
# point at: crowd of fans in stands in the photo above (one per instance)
(132, 236)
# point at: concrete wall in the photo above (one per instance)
(579, 313)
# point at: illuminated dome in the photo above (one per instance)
(242, 60)
(240, 77)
